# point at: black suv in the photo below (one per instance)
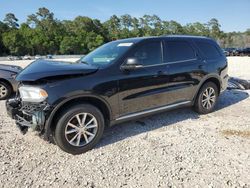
(121, 80)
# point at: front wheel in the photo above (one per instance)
(206, 98)
(79, 128)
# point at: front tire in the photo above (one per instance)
(206, 98)
(79, 129)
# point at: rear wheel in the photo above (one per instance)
(5, 90)
(79, 128)
(207, 98)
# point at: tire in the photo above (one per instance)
(201, 105)
(68, 127)
(5, 90)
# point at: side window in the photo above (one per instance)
(179, 51)
(209, 50)
(149, 53)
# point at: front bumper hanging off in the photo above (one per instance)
(27, 115)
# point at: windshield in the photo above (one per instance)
(106, 54)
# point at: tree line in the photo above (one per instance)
(43, 34)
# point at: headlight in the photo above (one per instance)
(32, 94)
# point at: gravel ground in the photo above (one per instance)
(173, 149)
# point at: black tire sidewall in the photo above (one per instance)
(59, 135)
(198, 103)
(9, 90)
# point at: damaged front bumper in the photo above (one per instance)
(28, 115)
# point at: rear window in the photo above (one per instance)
(209, 50)
(179, 51)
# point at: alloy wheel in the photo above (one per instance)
(81, 129)
(208, 98)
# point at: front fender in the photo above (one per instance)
(47, 127)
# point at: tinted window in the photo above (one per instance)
(209, 50)
(179, 51)
(149, 53)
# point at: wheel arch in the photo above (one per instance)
(212, 78)
(96, 101)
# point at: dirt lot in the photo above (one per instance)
(173, 149)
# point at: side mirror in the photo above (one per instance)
(131, 64)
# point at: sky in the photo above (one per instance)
(233, 15)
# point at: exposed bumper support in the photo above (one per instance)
(26, 116)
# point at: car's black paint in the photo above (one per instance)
(42, 69)
(124, 92)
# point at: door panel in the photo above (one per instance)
(185, 69)
(184, 78)
(142, 89)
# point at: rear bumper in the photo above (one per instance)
(27, 115)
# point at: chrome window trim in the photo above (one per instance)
(181, 61)
(172, 62)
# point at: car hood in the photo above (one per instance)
(10, 68)
(44, 69)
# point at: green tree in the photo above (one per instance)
(93, 41)
(145, 23)
(136, 31)
(14, 41)
(85, 33)
(196, 29)
(214, 27)
(156, 23)
(11, 20)
(113, 26)
(50, 29)
(3, 29)
(43, 33)
(175, 28)
(69, 45)
(126, 23)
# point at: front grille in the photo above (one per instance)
(31, 108)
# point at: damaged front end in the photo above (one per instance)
(28, 115)
(40, 84)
